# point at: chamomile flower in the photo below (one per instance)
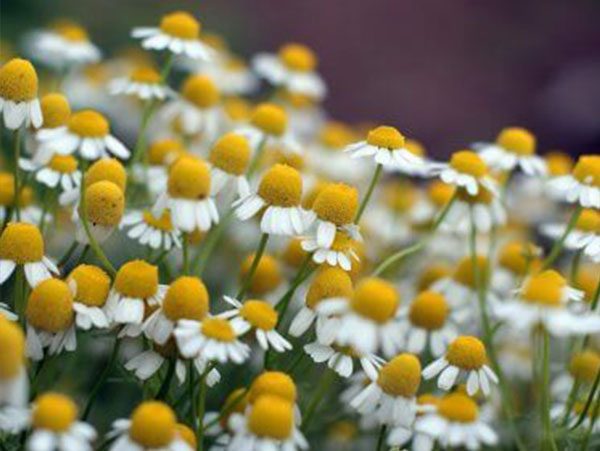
(179, 32)
(341, 358)
(104, 205)
(155, 232)
(367, 320)
(387, 146)
(516, 260)
(275, 383)
(582, 185)
(50, 319)
(543, 300)
(56, 111)
(22, 244)
(216, 423)
(61, 171)
(390, 396)
(294, 67)
(467, 170)
(582, 369)
(55, 427)
(342, 251)
(260, 316)
(232, 75)
(144, 83)
(585, 236)
(278, 198)
(484, 210)
(213, 338)
(29, 211)
(7, 193)
(161, 154)
(188, 196)
(151, 427)
(514, 147)
(229, 159)
(18, 95)
(455, 423)
(91, 287)
(267, 278)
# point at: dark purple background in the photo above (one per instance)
(445, 71)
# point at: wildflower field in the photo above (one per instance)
(194, 255)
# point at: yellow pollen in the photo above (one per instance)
(267, 276)
(330, 282)
(104, 204)
(401, 376)
(281, 186)
(337, 203)
(585, 365)
(71, 31)
(54, 412)
(386, 137)
(7, 188)
(336, 135)
(298, 57)
(310, 196)
(432, 274)
(483, 196)
(88, 124)
(439, 193)
(375, 299)
(559, 163)
(587, 170)
(180, 25)
(467, 353)
(163, 223)
(50, 306)
(218, 329)
(237, 109)
(465, 271)
(517, 140)
(55, 110)
(519, 257)
(468, 162)
(21, 243)
(164, 151)
(201, 91)
(108, 169)
(271, 417)
(187, 435)
(12, 349)
(293, 254)
(271, 119)
(137, 279)
(189, 178)
(186, 298)
(18, 81)
(231, 153)
(589, 221)
(273, 383)
(458, 407)
(65, 164)
(545, 288)
(429, 310)
(93, 285)
(259, 314)
(145, 75)
(415, 147)
(153, 425)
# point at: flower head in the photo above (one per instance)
(50, 306)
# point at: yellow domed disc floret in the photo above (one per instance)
(468, 162)
(293, 254)
(70, 31)
(109, 169)
(259, 314)
(104, 204)
(180, 25)
(18, 81)
(465, 271)
(585, 365)
(7, 189)
(93, 285)
(415, 147)
(186, 298)
(231, 153)
(189, 178)
(55, 110)
(187, 435)
(484, 196)
(298, 57)
(589, 221)
(558, 163)
(50, 306)
(237, 109)
(271, 119)
(545, 288)
(21, 243)
(281, 186)
(54, 412)
(137, 279)
(432, 274)
(401, 376)
(274, 383)
(164, 223)
(386, 137)
(429, 310)
(267, 276)
(330, 282)
(63, 164)
(518, 257)
(375, 299)
(458, 407)
(145, 75)
(153, 425)
(218, 329)
(12, 349)
(440, 193)
(336, 135)
(201, 91)
(467, 353)
(587, 170)
(88, 124)
(337, 203)
(271, 417)
(517, 140)
(164, 151)
(236, 402)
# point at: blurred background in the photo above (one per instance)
(446, 72)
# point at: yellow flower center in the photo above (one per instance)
(440, 193)
(468, 162)
(588, 278)
(107, 169)
(231, 153)
(337, 203)
(271, 119)
(517, 140)
(281, 186)
(145, 75)
(559, 163)
(55, 110)
(164, 151)
(483, 196)
(432, 274)
(218, 329)
(186, 298)
(545, 288)
(153, 425)
(585, 365)
(104, 204)
(26, 197)
(18, 81)
(163, 223)
(415, 147)
(180, 25)
(516, 257)
(259, 314)
(467, 353)
(293, 254)
(429, 310)
(236, 402)
(386, 137)
(137, 279)
(65, 164)
(187, 435)
(427, 399)
(12, 349)
(401, 376)
(7, 188)
(21, 243)
(271, 417)
(589, 221)
(375, 299)
(330, 282)
(399, 195)
(189, 178)
(50, 306)
(71, 32)
(273, 383)
(465, 271)
(458, 407)
(336, 135)
(93, 285)
(343, 242)
(267, 276)
(88, 124)
(587, 170)
(54, 412)
(298, 57)
(237, 109)
(201, 91)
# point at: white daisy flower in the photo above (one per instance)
(582, 186)
(484, 210)
(18, 95)
(341, 358)
(340, 252)
(90, 285)
(582, 369)
(467, 170)
(144, 83)
(29, 212)
(229, 159)
(60, 170)
(585, 236)
(103, 211)
(159, 157)
(515, 261)
(157, 233)
(230, 73)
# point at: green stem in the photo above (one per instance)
(571, 399)
(65, 258)
(588, 402)
(17, 152)
(186, 253)
(575, 266)
(257, 256)
(166, 384)
(370, 189)
(381, 438)
(19, 293)
(202, 258)
(202, 406)
(101, 380)
(548, 442)
(320, 393)
(558, 245)
(594, 417)
(255, 162)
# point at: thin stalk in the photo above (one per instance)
(548, 437)
(227, 409)
(370, 189)
(101, 380)
(19, 293)
(594, 417)
(213, 238)
(202, 406)
(166, 384)
(257, 256)
(255, 162)
(558, 245)
(17, 180)
(324, 384)
(381, 438)
(575, 266)
(588, 402)
(186, 253)
(65, 258)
